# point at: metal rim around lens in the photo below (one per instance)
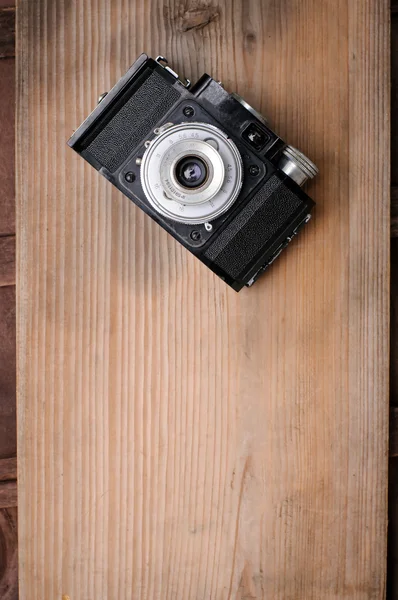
(187, 205)
(197, 168)
(210, 187)
(191, 189)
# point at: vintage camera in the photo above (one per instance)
(203, 164)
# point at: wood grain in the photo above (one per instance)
(8, 554)
(7, 32)
(7, 260)
(394, 98)
(7, 146)
(8, 494)
(8, 433)
(175, 439)
(8, 469)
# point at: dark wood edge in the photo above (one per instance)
(394, 431)
(8, 494)
(7, 260)
(8, 483)
(9, 554)
(394, 211)
(7, 32)
(8, 469)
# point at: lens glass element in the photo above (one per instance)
(191, 172)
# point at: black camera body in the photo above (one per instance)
(203, 164)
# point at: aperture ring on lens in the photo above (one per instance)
(215, 194)
(215, 172)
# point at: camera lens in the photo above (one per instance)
(192, 179)
(191, 172)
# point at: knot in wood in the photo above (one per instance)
(197, 18)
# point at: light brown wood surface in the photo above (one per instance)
(179, 441)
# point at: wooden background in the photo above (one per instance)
(175, 439)
(8, 463)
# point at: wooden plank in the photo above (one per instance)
(7, 32)
(394, 211)
(177, 440)
(394, 99)
(7, 260)
(9, 554)
(394, 324)
(392, 579)
(8, 433)
(8, 494)
(392, 572)
(394, 431)
(8, 469)
(8, 516)
(7, 144)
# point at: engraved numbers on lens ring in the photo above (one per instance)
(164, 150)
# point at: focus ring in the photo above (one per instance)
(190, 205)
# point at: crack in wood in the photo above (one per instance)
(197, 18)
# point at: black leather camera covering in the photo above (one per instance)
(252, 229)
(134, 120)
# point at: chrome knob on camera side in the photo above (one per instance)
(297, 166)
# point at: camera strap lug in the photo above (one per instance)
(100, 98)
(163, 62)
